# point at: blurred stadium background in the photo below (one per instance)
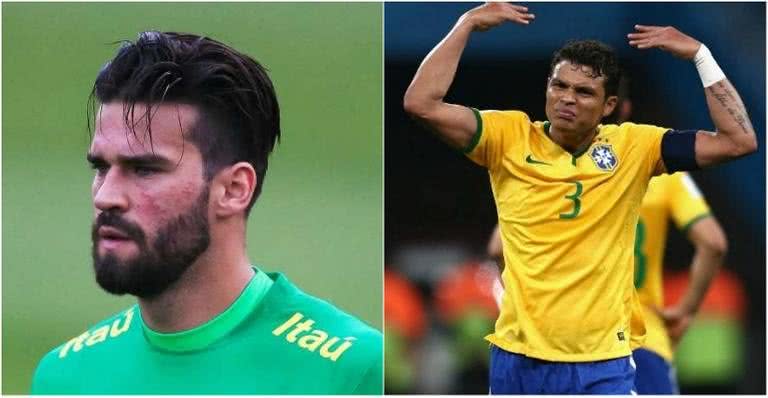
(319, 219)
(440, 212)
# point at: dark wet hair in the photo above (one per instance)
(239, 113)
(597, 55)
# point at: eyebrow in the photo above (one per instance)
(142, 160)
(575, 86)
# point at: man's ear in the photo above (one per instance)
(610, 105)
(233, 189)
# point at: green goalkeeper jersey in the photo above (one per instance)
(274, 339)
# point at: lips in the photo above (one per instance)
(110, 238)
(111, 234)
(566, 114)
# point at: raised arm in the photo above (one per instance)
(424, 99)
(735, 136)
(710, 248)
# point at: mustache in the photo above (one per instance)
(114, 220)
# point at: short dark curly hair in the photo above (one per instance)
(597, 55)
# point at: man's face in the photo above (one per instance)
(150, 199)
(576, 100)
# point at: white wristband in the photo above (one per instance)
(709, 72)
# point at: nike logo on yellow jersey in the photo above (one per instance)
(87, 339)
(531, 160)
(311, 338)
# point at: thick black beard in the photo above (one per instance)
(177, 245)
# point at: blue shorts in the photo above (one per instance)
(654, 374)
(517, 374)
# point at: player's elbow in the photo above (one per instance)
(715, 245)
(750, 144)
(419, 105)
(744, 145)
(415, 106)
(734, 147)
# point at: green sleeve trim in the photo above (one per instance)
(476, 138)
(696, 219)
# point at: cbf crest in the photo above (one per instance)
(604, 157)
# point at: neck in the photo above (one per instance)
(206, 289)
(573, 142)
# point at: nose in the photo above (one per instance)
(568, 96)
(109, 192)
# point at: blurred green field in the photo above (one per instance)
(319, 219)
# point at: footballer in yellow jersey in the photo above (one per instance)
(575, 211)
(674, 197)
(568, 193)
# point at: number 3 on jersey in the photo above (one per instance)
(576, 203)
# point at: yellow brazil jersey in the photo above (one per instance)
(669, 196)
(567, 224)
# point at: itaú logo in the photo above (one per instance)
(87, 339)
(303, 335)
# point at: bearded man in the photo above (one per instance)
(183, 128)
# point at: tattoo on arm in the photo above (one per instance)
(728, 100)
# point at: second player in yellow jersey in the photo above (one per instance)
(674, 197)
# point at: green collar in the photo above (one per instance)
(574, 155)
(213, 330)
